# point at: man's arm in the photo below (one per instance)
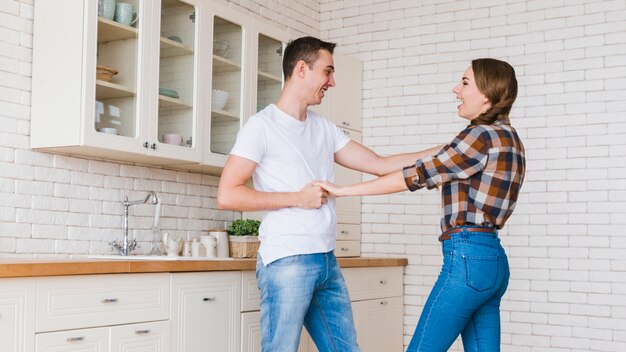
(233, 194)
(358, 157)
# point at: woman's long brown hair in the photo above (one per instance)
(496, 80)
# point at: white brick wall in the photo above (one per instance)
(57, 206)
(565, 242)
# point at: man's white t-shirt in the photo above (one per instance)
(290, 154)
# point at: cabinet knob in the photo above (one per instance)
(345, 123)
(344, 249)
(153, 146)
(383, 282)
(109, 300)
(142, 332)
(208, 299)
(346, 132)
(75, 339)
(146, 145)
(383, 303)
(345, 232)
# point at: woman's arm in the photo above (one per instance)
(391, 183)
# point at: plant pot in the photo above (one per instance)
(243, 246)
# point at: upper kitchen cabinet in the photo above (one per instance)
(166, 82)
(117, 81)
(246, 76)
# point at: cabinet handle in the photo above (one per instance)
(345, 123)
(153, 146)
(383, 282)
(109, 300)
(346, 132)
(345, 232)
(75, 339)
(345, 249)
(146, 145)
(207, 299)
(383, 303)
(140, 332)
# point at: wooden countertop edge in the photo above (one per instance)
(42, 267)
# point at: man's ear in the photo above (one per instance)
(301, 68)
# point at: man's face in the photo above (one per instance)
(320, 77)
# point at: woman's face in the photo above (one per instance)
(473, 102)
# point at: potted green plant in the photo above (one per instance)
(244, 238)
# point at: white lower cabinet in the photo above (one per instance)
(109, 313)
(17, 314)
(206, 311)
(377, 306)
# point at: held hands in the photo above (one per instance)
(330, 188)
(312, 196)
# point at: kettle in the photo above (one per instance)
(172, 245)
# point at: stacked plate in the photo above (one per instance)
(168, 92)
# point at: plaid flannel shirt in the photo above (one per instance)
(481, 172)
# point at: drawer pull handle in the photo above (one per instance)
(109, 300)
(383, 303)
(383, 282)
(345, 232)
(344, 249)
(75, 339)
(345, 123)
(208, 299)
(140, 332)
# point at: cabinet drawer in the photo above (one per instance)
(97, 300)
(348, 232)
(250, 295)
(96, 340)
(348, 249)
(372, 283)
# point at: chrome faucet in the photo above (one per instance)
(126, 246)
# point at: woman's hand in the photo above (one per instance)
(331, 188)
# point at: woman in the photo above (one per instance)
(480, 173)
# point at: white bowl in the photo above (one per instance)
(108, 130)
(172, 138)
(219, 98)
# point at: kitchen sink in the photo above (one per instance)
(149, 257)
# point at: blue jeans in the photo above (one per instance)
(466, 297)
(305, 289)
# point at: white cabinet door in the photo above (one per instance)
(85, 340)
(17, 315)
(206, 311)
(144, 337)
(379, 324)
(348, 208)
(250, 332)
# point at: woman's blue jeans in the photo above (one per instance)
(466, 297)
(305, 289)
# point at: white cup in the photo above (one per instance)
(172, 138)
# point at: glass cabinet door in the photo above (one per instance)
(269, 71)
(176, 122)
(117, 53)
(226, 99)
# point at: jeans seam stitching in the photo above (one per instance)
(430, 311)
(332, 338)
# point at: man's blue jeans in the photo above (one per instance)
(466, 297)
(305, 289)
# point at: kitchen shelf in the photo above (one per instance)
(171, 48)
(173, 102)
(264, 76)
(225, 65)
(110, 30)
(108, 90)
(224, 115)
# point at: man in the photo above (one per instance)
(284, 148)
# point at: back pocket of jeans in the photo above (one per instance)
(481, 272)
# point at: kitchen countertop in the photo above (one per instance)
(56, 267)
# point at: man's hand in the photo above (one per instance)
(330, 188)
(312, 196)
